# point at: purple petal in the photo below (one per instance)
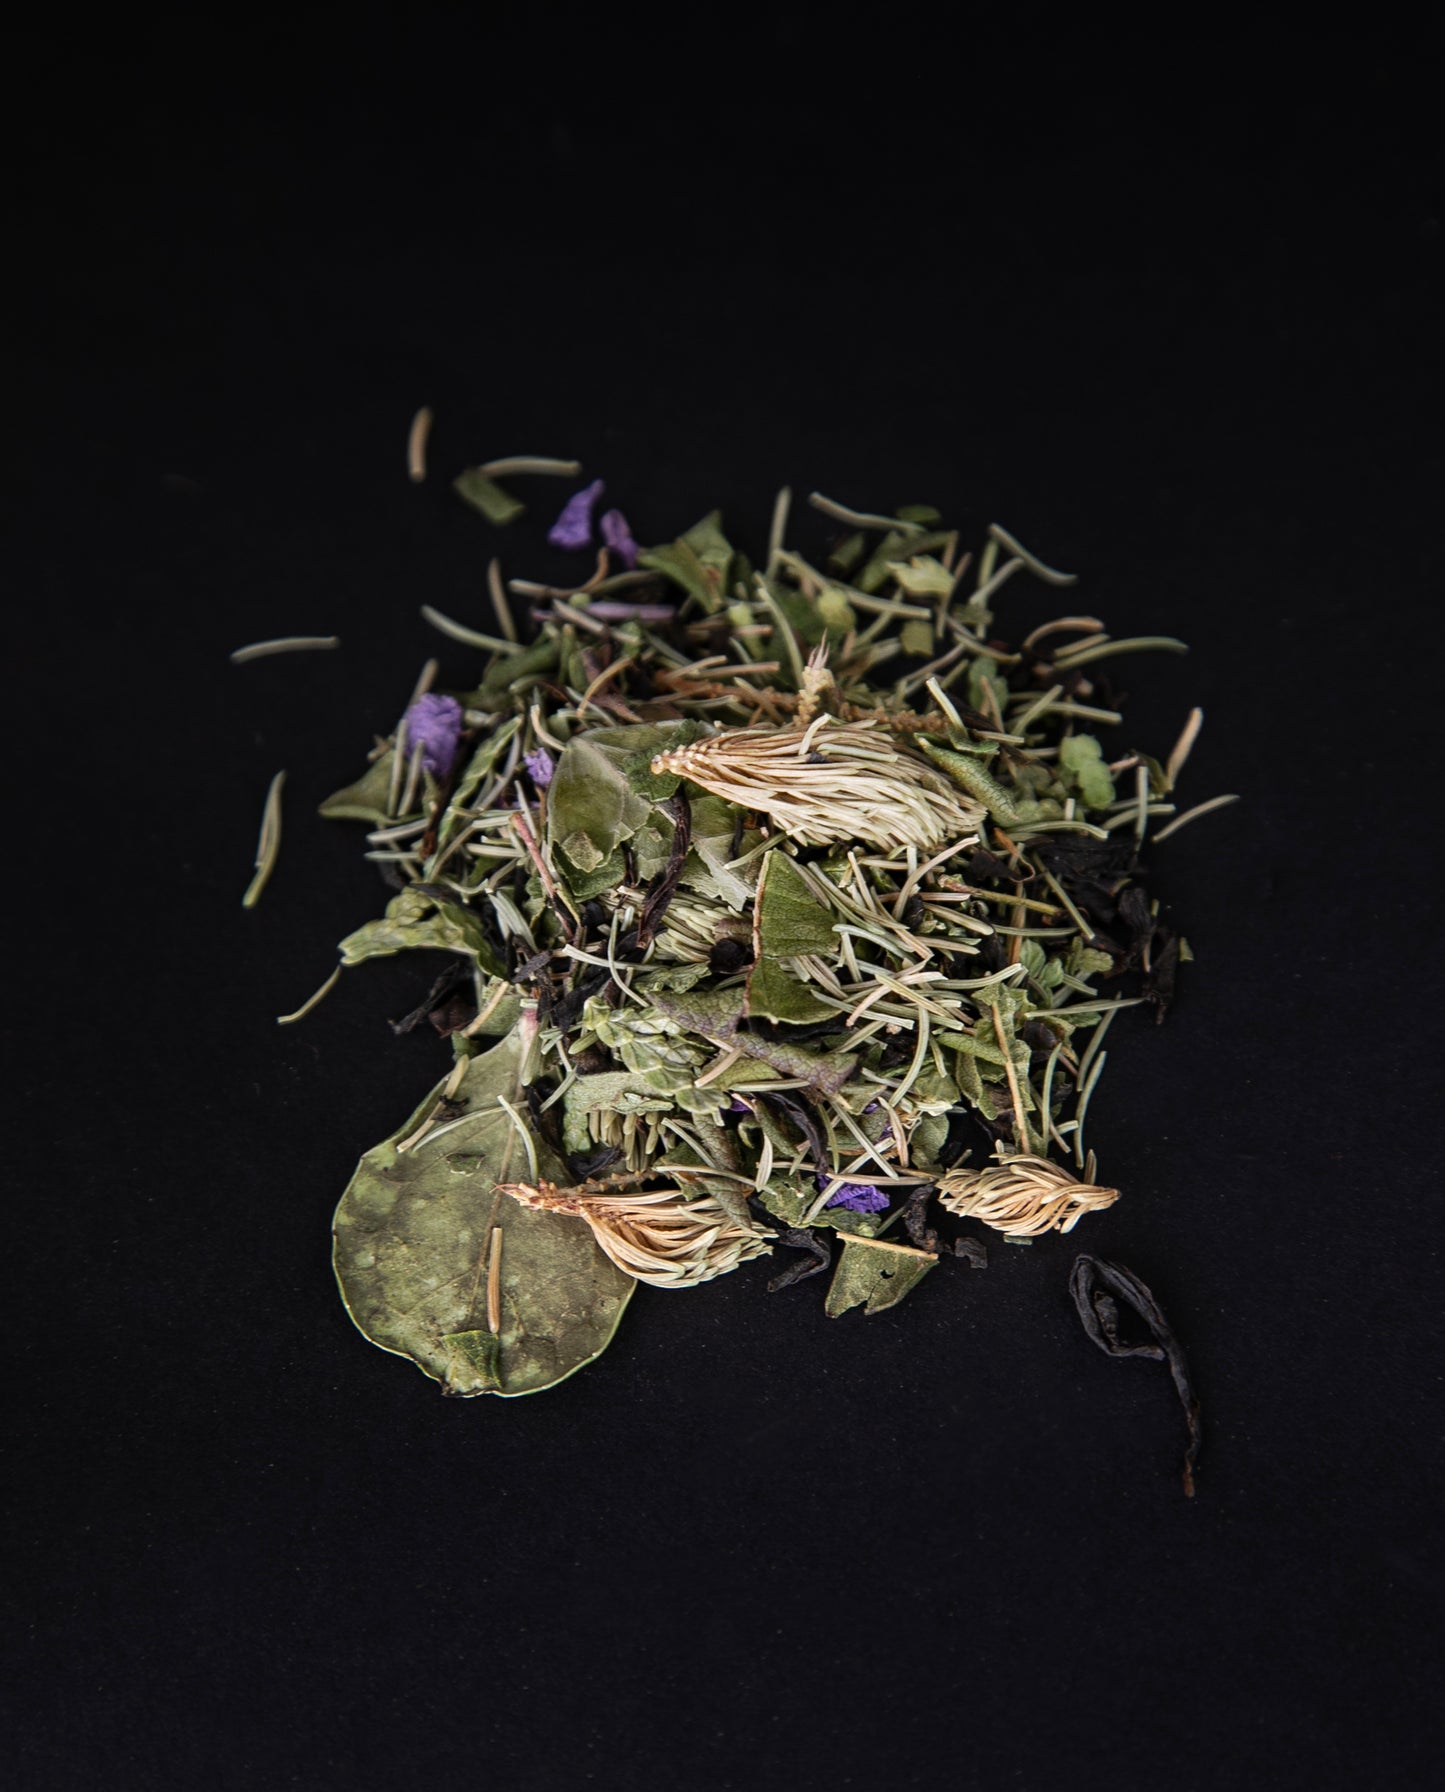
(619, 537)
(573, 529)
(859, 1197)
(540, 766)
(437, 723)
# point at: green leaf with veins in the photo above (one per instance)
(620, 1091)
(413, 1232)
(774, 993)
(707, 869)
(877, 1272)
(602, 874)
(788, 919)
(415, 920)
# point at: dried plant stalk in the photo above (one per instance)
(1023, 1195)
(657, 1235)
(830, 781)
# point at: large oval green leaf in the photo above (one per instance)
(411, 1242)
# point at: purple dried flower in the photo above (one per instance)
(435, 722)
(738, 1106)
(573, 529)
(540, 766)
(619, 537)
(860, 1197)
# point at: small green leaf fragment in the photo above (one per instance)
(896, 545)
(922, 576)
(789, 921)
(985, 684)
(415, 919)
(485, 495)
(510, 669)
(366, 799)
(848, 553)
(876, 1272)
(585, 803)
(1083, 757)
(776, 994)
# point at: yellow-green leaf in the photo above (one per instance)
(413, 1243)
(788, 919)
(875, 1271)
(484, 494)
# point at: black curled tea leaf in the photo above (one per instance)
(1099, 1288)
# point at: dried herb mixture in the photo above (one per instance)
(788, 907)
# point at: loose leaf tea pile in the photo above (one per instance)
(786, 909)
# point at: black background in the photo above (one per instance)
(1171, 312)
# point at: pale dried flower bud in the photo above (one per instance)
(1023, 1195)
(829, 781)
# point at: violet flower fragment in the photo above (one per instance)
(436, 723)
(573, 529)
(859, 1197)
(540, 766)
(618, 537)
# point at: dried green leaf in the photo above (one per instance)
(366, 799)
(484, 494)
(699, 561)
(802, 614)
(922, 576)
(788, 919)
(413, 1234)
(875, 1271)
(415, 919)
(791, 1200)
(927, 1139)
(986, 688)
(614, 1091)
(585, 881)
(590, 808)
(707, 541)
(848, 553)
(1083, 758)
(708, 868)
(897, 544)
(967, 771)
(510, 669)
(776, 994)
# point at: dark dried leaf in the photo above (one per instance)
(817, 1259)
(1098, 1287)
